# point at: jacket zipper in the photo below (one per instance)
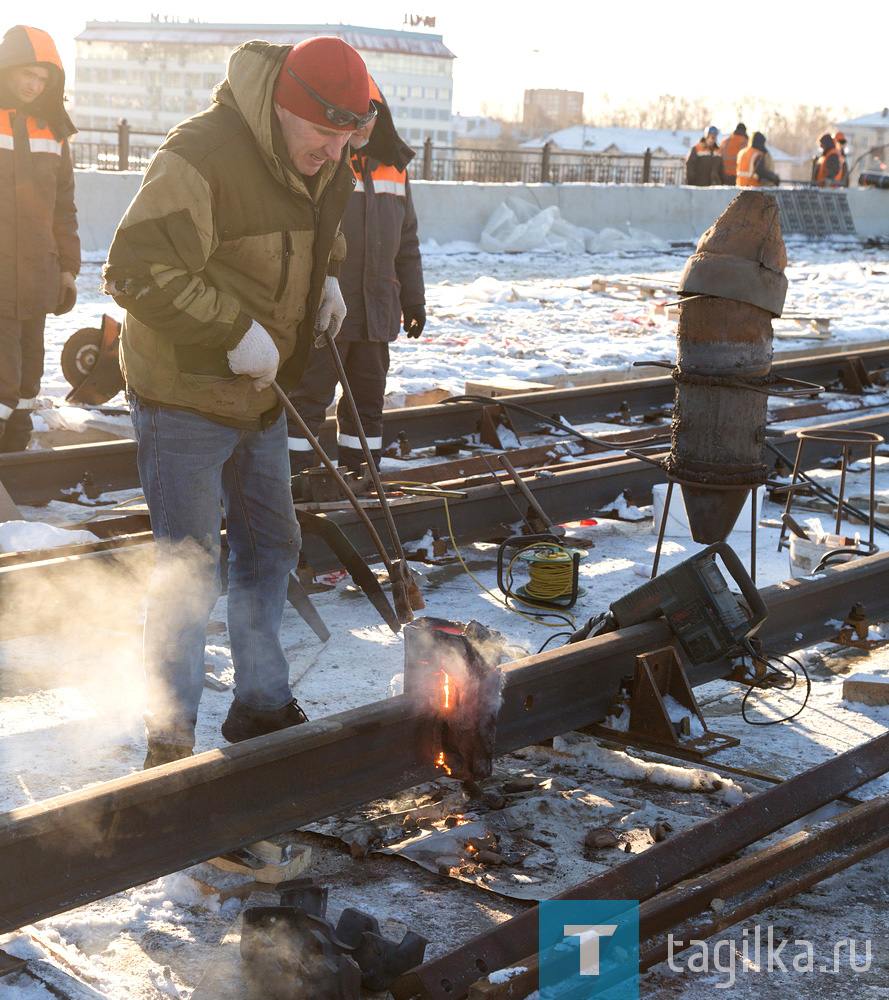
(286, 253)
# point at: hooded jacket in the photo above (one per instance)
(755, 164)
(703, 165)
(829, 166)
(730, 148)
(382, 272)
(38, 221)
(222, 232)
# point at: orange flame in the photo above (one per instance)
(440, 762)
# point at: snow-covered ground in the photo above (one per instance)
(70, 703)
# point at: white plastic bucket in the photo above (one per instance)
(677, 520)
(806, 553)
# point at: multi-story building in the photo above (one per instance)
(552, 109)
(154, 74)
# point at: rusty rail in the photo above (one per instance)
(85, 845)
(35, 477)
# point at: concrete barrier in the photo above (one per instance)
(458, 211)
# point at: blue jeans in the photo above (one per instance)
(191, 469)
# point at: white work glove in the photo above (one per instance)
(332, 310)
(256, 356)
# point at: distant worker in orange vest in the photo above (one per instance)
(730, 149)
(703, 165)
(829, 165)
(840, 139)
(755, 164)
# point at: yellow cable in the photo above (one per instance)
(500, 600)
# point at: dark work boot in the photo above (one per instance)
(165, 753)
(243, 723)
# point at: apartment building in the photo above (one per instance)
(154, 74)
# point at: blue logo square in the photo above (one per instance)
(589, 948)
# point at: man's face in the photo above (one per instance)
(711, 140)
(26, 83)
(310, 146)
(361, 136)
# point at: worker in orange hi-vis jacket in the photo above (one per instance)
(829, 165)
(755, 164)
(703, 165)
(731, 146)
(39, 248)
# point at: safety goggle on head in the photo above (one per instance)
(337, 116)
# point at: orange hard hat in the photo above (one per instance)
(840, 136)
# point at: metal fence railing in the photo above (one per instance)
(435, 163)
(118, 152)
(546, 165)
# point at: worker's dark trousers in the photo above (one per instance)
(21, 368)
(366, 363)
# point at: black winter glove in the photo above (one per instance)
(414, 320)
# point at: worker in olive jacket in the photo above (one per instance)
(382, 283)
(225, 262)
(39, 248)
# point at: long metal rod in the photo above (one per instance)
(362, 437)
(523, 489)
(771, 894)
(569, 493)
(335, 472)
(88, 844)
(687, 899)
(85, 845)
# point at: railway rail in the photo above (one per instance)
(36, 477)
(40, 584)
(82, 846)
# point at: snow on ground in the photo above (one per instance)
(532, 315)
(71, 702)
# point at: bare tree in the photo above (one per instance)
(793, 128)
(667, 111)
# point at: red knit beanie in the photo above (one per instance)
(334, 70)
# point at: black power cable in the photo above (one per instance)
(787, 679)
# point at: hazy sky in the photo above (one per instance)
(630, 50)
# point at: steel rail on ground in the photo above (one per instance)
(39, 476)
(41, 585)
(82, 846)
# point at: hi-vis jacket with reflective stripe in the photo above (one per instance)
(382, 271)
(222, 232)
(730, 148)
(38, 222)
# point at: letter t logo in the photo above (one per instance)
(589, 935)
